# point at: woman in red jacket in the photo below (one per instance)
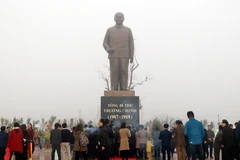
(15, 141)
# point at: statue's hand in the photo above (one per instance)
(110, 50)
(131, 60)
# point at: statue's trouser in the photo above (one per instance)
(119, 73)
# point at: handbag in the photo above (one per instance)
(13, 156)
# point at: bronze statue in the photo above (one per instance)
(119, 44)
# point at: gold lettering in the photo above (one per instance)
(112, 110)
(112, 105)
(129, 110)
(126, 116)
(128, 105)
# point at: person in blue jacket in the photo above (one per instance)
(195, 132)
(3, 142)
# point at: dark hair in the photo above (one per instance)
(166, 125)
(236, 124)
(157, 128)
(106, 121)
(64, 125)
(225, 121)
(16, 124)
(79, 127)
(220, 127)
(3, 128)
(56, 125)
(190, 114)
(141, 126)
(8, 127)
(90, 126)
(230, 125)
(178, 122)
(102, 121)
(123, 125)
(74, 128)
(85, 125)
(23, 127)
(30, 125)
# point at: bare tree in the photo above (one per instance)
(132, 84)
(51, 120)
(34, 123)
(212, 124)
(71, 122)
(2, 121)
(43, 123)
(131, 76)
(204, 122)
(28, 120)
(105, 77)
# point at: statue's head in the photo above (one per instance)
(119, 18)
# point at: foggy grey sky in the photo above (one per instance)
(51, 51)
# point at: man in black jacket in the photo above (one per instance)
(227, 141)
(218, 143)
(235, 143)
(166, 137)
(55, 140)
(65, 142)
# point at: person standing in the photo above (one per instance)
(55, 140)
(218, 143)
(211, 136)
(195, 132)
(166, 137)
(30, 136)
(125, 134)
(3, 142)
(178, 133)
(15, 142)
(142, 134)
(132, 142)
(156, 142)
(204, 144)
(227, 141)
(24, 143)
(65, 142)
(137, 143)
(102, 141)
(238, 136)
(72, 141)
(236, 147)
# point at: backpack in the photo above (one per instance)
(83, 140)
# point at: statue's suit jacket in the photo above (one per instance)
(121, 40)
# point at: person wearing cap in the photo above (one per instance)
(227, 141)
(180, 143)
(194, 131)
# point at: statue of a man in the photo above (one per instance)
(119, 44)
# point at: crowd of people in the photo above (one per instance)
(191, 140)
(18, 141)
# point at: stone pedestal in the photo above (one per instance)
(119, 93)
(120, 106)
